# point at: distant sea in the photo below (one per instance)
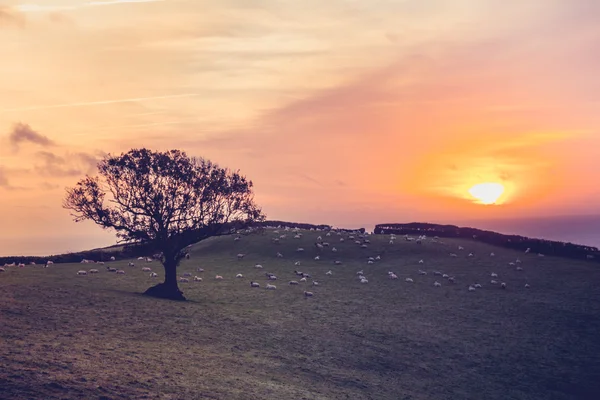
(583, 230)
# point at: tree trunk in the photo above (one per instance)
(168, 289)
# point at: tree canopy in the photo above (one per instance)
(165, 201)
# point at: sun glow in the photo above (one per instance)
(487, 193)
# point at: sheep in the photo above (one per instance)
(421, 272)
(297, 263)
(141, 258)
(493, 282)
(237, 238)
(342, 239)
(317, 258)
(451, 279)
(470, 255)
(197, 279)
(82, 272)
(329, 273)
(300, 249)
(319, 238)
(240, 256)
(325, 244)
(393, 276)
(453, 255)
(254, 284)
(199, 269)
(364, 280)
(270, 287)
(110, 269)
(308, 294)
(360, 272)
(492, 255)
(49, 262)
(93, 271)
(437, 284)
(131, 264)
(148, 269)
(239, 276)
(218, 277)
(279, 255)
(494, 275)
(370, 262)
(527, 286)
(121, 272)
(258, 266)
(113, 258)
(517, 261)
(461, 248)
(409, 280)
(445, 276)
(334, 249)
(438, 273)
(519, 269)
(293, 282)
(477, 285)
(503, 285)
(512, 264)
(303, 280)
(153, 275)
(2, 269)
(337, 262)
(370, 259)
(272, 277)
(363, 246)
(182, 279)
(471, 289)
(528, 250)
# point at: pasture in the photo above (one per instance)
(64, 336)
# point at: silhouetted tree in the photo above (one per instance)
(164, 201)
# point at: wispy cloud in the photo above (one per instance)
(95, 103)
(23, 133)
(69, 165)
(10, 17)
(51, 8)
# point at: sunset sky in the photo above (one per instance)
(348, 113)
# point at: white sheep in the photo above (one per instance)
(297, 263)
(120, 272)
(197, 279)
(315, 283)
(303, 280)
(254, 284)
(308, 294)
(182, 279)
(470, 255)
(370, 262)
(329, 273)
(421, 272)
(270, 287)
(93, 271)
(494, 275)
(478, 286)
(240, 256)
(112, 258)
(337, 262)
(409, 280)
(199, 269)
(453, 255)
(378, 258)
(147, 269)
(293, 282)
(218, 277)
(364, 280)
(503, 285)
(279, 255)
(493, 282)
(272, 278)
(131, 264)
(317, 258)
(2, 269)
(437, 284)
(527, 286)
(239, 276)
(153, 275)
(471, 289)
(82, 272)
(300, 249)
(334, 249)
(393, 276)
(492, 255)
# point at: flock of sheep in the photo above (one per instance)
(321, 244)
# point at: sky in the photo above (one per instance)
(342, 112)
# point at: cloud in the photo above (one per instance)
(3, 178)
(11, 17)
(69, 165)
(50, 8)
(22, 133)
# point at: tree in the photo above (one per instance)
(164, 201)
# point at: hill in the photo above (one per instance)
(66, 336)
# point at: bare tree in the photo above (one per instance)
(164, 201)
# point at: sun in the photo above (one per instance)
(487, 193)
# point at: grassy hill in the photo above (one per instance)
(64, 336)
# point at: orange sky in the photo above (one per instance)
(347, 113)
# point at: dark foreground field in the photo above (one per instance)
(64, 336)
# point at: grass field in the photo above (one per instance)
(64, 336)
